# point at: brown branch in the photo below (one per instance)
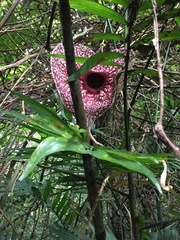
(159, 130)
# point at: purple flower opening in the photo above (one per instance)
(97, 85)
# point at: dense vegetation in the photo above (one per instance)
(54, 184)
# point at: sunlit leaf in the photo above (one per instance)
(46, 125)
(52, 145)
(178, 20)
(51, 127)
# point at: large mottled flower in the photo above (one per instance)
(97, 85)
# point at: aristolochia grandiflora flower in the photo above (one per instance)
(97, 85)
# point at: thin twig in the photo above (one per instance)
(20, 78)
(132, 10)
(159, 130)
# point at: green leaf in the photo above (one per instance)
(143, 158)
(51, 127)
(109, 233)
(178, 21)
(52, 145)
(93, 61)
(47, 191)
(46, 125)
(59, 232)
(62, 202)
(65, 208)
(151, 72)
(82, 60)
(148, 4)
(47, 121)
(37, 107)
(163, 37)
(56, 200)
(167, 15)
(77, 59)
(128, 161)
(98, 10)
(165, 234)
(108, 36)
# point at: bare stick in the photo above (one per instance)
(159, 130)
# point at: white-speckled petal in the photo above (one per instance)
(96, 101)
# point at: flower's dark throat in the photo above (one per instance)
(94, 81)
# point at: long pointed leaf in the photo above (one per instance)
(52, 145)
(119, 159)
(37, 107)
(93, 61)
(163, 37)
(148, 4)
(97, 9)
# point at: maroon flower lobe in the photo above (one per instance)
(97, 85)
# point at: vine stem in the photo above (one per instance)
(132, 9)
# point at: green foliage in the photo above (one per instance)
(43, 147)
(62, 139)
(171, 233)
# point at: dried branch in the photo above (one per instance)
(159, 130)
(20, 78)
